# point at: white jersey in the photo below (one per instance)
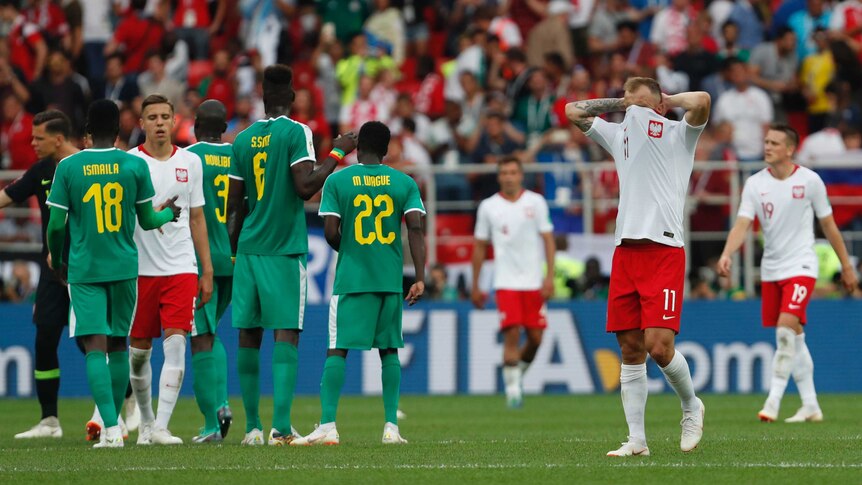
(654, 157)
(171, 250)
(786, 209)
(514, 230)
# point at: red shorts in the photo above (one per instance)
(164, 302)
(522, 308)
(646, 287)
(786, 296)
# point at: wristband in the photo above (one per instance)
(337, 154)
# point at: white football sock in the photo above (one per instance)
(678, 375)
(141, 379)
(633, 390)
(171, 379)
(523, 366)
(803, 374)
(782, 364)
(512, 380)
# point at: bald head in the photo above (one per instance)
(210, 120)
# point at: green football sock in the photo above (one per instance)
(99, 379)
(391, 370)
(220, 364)
(203, 364)
(285, 360)
(248, 362)
(330, 387)
(118, 366)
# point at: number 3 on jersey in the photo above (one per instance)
(108, 215)
(221, 212)
(259, 161)
(377, 235)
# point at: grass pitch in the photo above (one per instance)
(553, 439)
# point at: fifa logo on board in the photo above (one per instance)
(656, 128)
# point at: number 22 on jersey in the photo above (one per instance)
(106, 203)
(369, 205)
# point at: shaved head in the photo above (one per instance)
(210, 120)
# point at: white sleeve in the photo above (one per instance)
(690, 134)
(483, 223)
(543, 218)
(603, 133)
(766, 108)
(819, 198)
(836, 22)
(196, 178)
(747, 202)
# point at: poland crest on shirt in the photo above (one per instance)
(654, 157)
(170, 251)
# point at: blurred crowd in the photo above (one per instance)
(458, 81)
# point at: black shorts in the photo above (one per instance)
(52, 301)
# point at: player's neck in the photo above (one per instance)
(209, 139)
(159, 150)
(102, 144)
(783, 169)
(64, 151)
(277, 111)
(512, 196)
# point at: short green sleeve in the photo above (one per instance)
(59, 196)
(329, 198)
(234, 171)
(414, 199)
(301, 144)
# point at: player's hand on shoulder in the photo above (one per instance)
(477, 298)
(724, 266)
(416, 292)
(171, 204)
(346, 142)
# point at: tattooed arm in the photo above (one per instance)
(581, 113)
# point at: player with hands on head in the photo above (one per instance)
(785, 198)
(654, 157)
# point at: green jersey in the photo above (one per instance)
(371, 201)
(263, 155)
(216, 161)
(100, 189)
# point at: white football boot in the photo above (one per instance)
(391, 436)
(46, 428)
(692, 427)
(325, 434)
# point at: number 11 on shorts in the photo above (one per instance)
(669, 300)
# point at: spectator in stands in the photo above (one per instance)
(220, 85)
(155, 80)
(438, 287)
(593, 285)
(638, 52)
(497, 139)
(730, 43)
(59, 90)
(719, 83)
(387, 24)
(17, 131)
(719, 12)
(817, 72)
(96, 30)
(116, 85)
(131, 134)
(748, 108)
(416, 29)
(816, 14)
(773, 68)
(428, 98)
(471, 58)
(242, 118)
(602, 33)
(383, 94)
(748, 19)
(579, 88)
(527, 14)
(828, 143)
(567, 270)
(346, 15)
(448, 139)
(669, 27)
(847, 20)
(404, 110)
(362, 109)
(696, 62)
(12, 80)
(414, 154)
(306, 113)
(532, 115)
(323, 59)
(558, 76)
(516, 86)
(136, 36)
(193, 24)
(552, 35)
(20, 286)
(176, 53)
(359, 63)
(473, 104)
(51, 19)
(27, 48)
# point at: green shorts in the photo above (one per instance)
(207, 318)
(365, 321)
(102, 308)
(269, 292)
